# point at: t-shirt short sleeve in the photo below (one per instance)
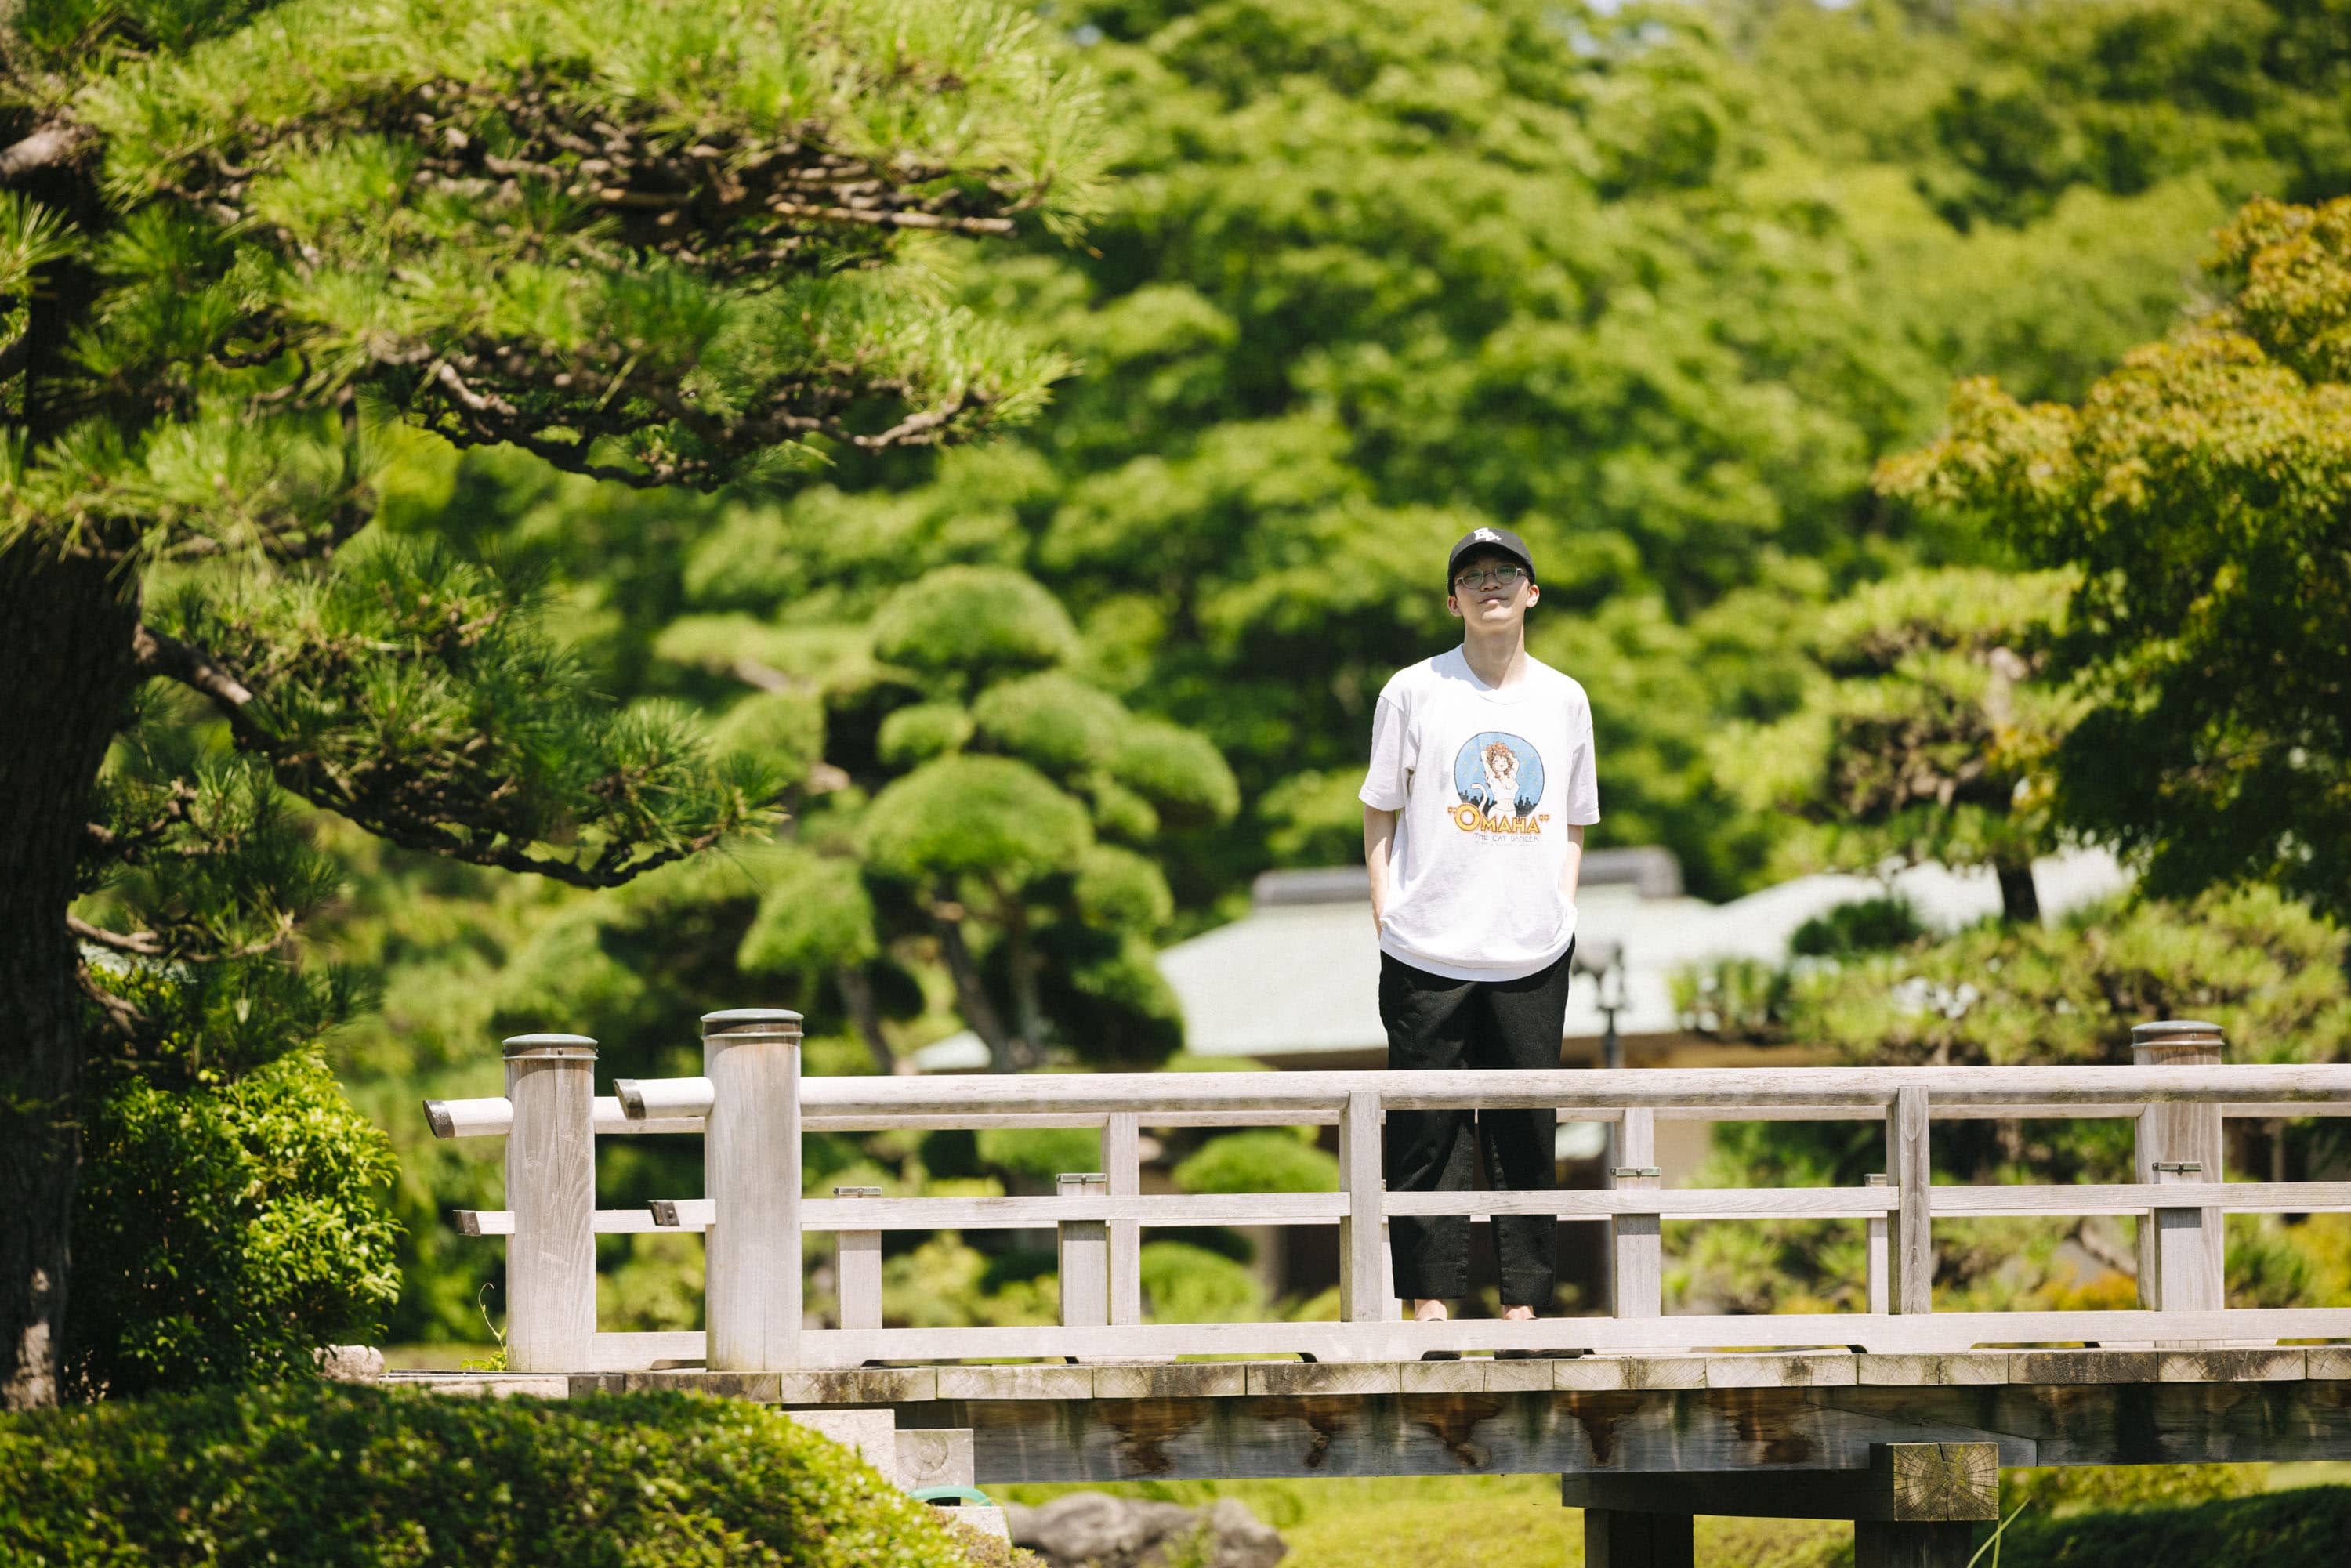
(1580, 799)
(1392, 758)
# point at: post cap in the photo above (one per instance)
(2173, 1032)
(752, 1024)
(550, 1047)
(437, 1114)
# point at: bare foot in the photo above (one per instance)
(1428, 1311)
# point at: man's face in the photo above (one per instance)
(1491, 589)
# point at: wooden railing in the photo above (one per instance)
(751, 1107)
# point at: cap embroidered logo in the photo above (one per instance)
(1487, 535)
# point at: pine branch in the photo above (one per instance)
(127, 1021)
(155, 945)
(159, 653)
(13, 354)
(47, 148)
(604, 871)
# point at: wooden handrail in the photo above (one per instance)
(752, 1107)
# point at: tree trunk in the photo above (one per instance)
(1021, 961)
(856, 988)
(65, 672)
(2020, 903)
(1005, 1054)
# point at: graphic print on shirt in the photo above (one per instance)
(1500, 779)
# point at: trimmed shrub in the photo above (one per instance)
(316, 1474)
(2300, 1529)
(227, 1232)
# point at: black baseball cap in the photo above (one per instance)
(1476, 539)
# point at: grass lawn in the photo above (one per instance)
(1467, 1521)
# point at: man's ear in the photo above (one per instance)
(1453, 606)
(1534, 593)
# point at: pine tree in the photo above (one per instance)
(242, 247)
(1925, 732)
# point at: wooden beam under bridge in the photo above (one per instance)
(1231, 1420)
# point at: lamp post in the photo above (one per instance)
(1603, 959)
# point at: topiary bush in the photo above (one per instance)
(226, 1230)
(315, 1473)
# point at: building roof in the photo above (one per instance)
(1299, 975)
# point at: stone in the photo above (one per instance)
(351, 1364)
(1094, 1529)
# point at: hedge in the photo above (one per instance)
(312, 1473)
(2306, 1528)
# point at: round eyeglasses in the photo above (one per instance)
(1503, 576)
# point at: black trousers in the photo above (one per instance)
(1433, 1022)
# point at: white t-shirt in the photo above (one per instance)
(1486, 783)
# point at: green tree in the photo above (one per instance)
(2202, 493)
(1925, 736)
(1377, 274)
(2264, 968)
(991, 809)
(241, 246)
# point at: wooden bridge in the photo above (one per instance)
(1897, 1417)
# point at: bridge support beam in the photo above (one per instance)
(1916, 1506)
(1622, 1538)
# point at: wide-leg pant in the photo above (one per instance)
(1433, 1022)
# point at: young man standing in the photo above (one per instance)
(1481, 785)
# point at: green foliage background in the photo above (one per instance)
(1658, 287)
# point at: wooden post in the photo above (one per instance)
(1879, 1271)
(1366, 1284)
(751, 1155)
(1884, 1543)
(857, 1268)
(2181, 1262)
(1618, 1538)
(1122, 1158)
(551, 1190)
(1083, 1248)
(1638, 1240)
(1912, 1247)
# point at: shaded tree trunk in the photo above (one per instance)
(65, 673)
(1005, 1052)
(856, 988)
(2020, 902)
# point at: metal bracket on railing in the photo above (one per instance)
(2177, 1167)
(1621, 1172)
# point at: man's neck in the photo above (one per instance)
(1498, 658)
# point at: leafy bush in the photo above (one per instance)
(971, 618)
(226, 1231)
(1870, 925)
(2301, 1529)
(1264, 1159)
(1187, 1284)
(318, 1473)
(1041, 1153)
